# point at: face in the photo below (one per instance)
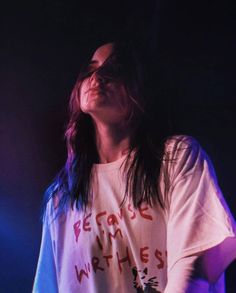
(101, 97)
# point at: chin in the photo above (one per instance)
(93, 106)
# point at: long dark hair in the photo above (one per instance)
(73, 183)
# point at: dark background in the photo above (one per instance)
(44, 42)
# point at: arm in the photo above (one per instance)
(201, 239)
(46, 278)
(197, 273)
(210, 268)
(183, 278)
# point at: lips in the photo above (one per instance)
(96, 91)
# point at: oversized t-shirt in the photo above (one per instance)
(113, 248)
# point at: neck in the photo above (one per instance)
(112, 142)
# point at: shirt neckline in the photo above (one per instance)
(105, 167)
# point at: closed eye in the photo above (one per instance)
(93, 65)
(87, 72)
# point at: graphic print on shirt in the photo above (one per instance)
(113, 251)
(149, 284)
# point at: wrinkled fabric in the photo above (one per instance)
(113, 248)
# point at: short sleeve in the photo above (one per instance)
(198, 216)
(46, 278)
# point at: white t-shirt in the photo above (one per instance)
(112, 248)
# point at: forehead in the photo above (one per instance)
(102, 53)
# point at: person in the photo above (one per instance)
(131, 211)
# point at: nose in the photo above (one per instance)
(93, 76)
(97, 80)
(94, 80)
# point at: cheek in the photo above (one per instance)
(125, 102)
(121, 97)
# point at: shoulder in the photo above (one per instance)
(182, 147)
(183, 155)
(180, 143)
